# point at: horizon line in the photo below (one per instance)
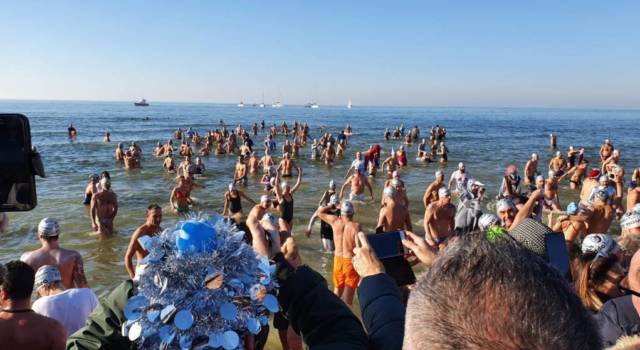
(251, 105)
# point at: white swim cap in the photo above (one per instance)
(599, 243)
(486, 221)
(395, 182)
(332, 185)
(346, 208)
(504, 204)
(534, 155)
(630, 220)
(460, 165)
(46, 275)
(48, 227)
(389, 191)
(439, 173)
(558, 154)
(264, 198)
(232, 186)
(443, 192)
(607, 141)
(603, 178)
(284, 185)
(551, 173)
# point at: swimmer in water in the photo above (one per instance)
(119, 152)
(286, 166)
(71, 131)
(254, 163)
(150, 228)
(91, 189)
(104, 208)
(358, 181)
(240, 173)
(107, 137)
(439, 219)
(326, 232)
(606, 150)
(168, 163)
(531, 170)
(233, 203)
(558, 164)
(180, 197)
(553, 141)
(431, 193)
(443, 152)
(394, 214)
(284, 196)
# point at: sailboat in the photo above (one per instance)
(141, 103)
(312, 105)
(349, 104)
(241, 104)
(262, 103)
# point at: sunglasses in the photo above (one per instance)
(628, 291)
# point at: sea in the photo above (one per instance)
(485, 139)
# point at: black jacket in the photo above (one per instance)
(382, 312)
(618, 318)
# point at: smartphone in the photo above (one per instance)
(387, 244)
(17, 175)
(557, 253)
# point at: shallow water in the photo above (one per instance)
(486, 139)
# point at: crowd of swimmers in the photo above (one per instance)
(453, 208)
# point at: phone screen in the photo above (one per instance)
(557, 253)
(387, 244)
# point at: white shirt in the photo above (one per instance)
(71, 307)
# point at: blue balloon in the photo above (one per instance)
(196, 237)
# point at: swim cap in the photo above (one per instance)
(395, 182)
(389, 191)
(570, 148)
(284, 185)
(572, 208)
(636, 208)
(460, 165)
(630, 220)
(443, 192)
(601, 195)
(603, 178)
(534, 155)
(334, 199)
(551, 173)
(232, 186)
(599, 243)
(607, 141)
(439, 173)
(46, 274)
(594, 173)
(487, 220)
(264, 198)
(558, 154)
(504, 204)
(332, 185)
(346, 208)
(48, 227)
(539, 177)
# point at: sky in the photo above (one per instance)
(391, 53)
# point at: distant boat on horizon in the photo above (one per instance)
(141, 103)
(349, 104)
(311, 105)
(241, 104)
(277, 104)
(262, 103)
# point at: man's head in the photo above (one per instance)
(506, 211)
(265, 201)
(48, 229)
(439, 175)
(47, 278)
(603, 181)
(484, 295)
(389, 192)
(461, 166)
(105, 183)
(346, 209)
(17, 281)
(534, 156)
(630, 223)
(444, 195)
(154, 214)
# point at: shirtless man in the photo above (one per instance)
(345, 230)
(266, 161)
(558, 164)
(168, 163)
(253, 163)
(553, 141)
(589, 184)
(20, 327)
(104, 207)
(119, 152)
(439, 219)
(286, 166)
(573, 225)
(393, 215)
(392, 164)
(606, 150)
(460, 177)
(551, 196)
(107, 137)
(240, 173)
(329, 153)
(69, 262)
(431, 193)
(531, 170)
(602, 213)
(358, 182)
(443, 152)
(633, 196)
(150, 228)
(577, 174)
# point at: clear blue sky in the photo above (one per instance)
(425, 53)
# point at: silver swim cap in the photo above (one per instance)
(346, 208)
(264, 198)
(443, 192)
(48, 227)
(630, 220)
(46, 275)
(534, 155)
(504, 204)
(601, 244)
(486, 221)
(439, 173)
(389, 191)
(395, 182)
(332, 185)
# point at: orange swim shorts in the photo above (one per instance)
(344, 274)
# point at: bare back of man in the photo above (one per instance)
(600, 219)
(29, 330)
(69, 262)
(393, 217)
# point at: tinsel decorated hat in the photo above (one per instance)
(201, 286)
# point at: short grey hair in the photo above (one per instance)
(484, 295)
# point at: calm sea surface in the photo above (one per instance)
(486, 139)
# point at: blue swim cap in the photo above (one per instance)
(572, 208)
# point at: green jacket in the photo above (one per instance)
(103, 329)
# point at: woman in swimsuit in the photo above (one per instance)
(92, 188)
(180, 197)
(233, 203)
(284, 196)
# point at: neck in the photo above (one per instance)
(21, 304)
(50, 244)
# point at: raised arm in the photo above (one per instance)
(323, 214)
(298, 182)
(527, 208)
